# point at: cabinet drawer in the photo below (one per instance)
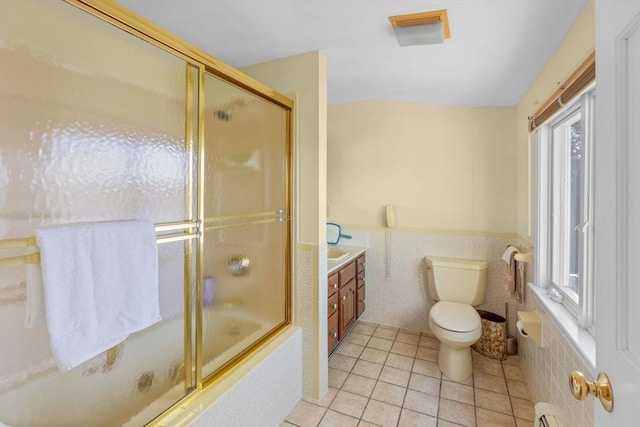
(332, 284)
(333, 304)
(361, 262)
(333, 331)
(361, 279)
(347, 273)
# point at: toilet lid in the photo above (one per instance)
(455, 317)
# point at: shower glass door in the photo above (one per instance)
(244, 206)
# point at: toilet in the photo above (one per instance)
(457, 285)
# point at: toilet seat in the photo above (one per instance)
(455, 317)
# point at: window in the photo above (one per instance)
(565, 208)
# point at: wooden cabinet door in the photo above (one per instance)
(334, 332)
(360, 301)
(347, 307)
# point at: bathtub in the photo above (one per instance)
(144, 379)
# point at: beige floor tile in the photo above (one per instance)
(488, 418)
(389, 393)
(445, 423)
(386, 333)
(367, 369)
(306, 414)
(426, 353)
(468, 381)
(513, 373)
(425, 384)
(336, 419)
(348, 349)
(373, 355)
(408, 338)
(359, 385)
(342, 362)
(394, 376)
(458, 392)
(512, 361)
(382, 414)
(523, 423)
(326, 399)
(523, 408)
(415, 419)
(359, 339)
(518, 389)
(457, 412)
(490, 382)
(337, 378)
(425, 367)
(399, 361)
(367, 424)
(430, 342)
(486, 365)
(349, 403)
(404, 349)
(380, 343)
(364, 328)
(421, 402)
(493, 401)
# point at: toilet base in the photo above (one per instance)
(455, 363)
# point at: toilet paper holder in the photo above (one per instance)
(530, 325)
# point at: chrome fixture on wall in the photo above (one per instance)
(239, 266)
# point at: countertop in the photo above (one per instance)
(354, 252)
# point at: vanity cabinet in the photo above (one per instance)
(346, 299)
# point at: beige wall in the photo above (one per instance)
(445, 168)
(304, 78)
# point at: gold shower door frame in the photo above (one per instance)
(198, 64)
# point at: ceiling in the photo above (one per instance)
(496, 49)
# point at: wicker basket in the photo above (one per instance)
(493, 342)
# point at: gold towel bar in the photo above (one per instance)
(34, 258)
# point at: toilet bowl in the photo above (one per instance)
(457, 285)
(457, 326)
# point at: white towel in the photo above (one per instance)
(35, 311)
(100, 285)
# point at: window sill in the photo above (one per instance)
(580, 339)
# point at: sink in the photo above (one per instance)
(335, 254)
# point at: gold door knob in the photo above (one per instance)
(601, 388)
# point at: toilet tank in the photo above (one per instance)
(456, 280)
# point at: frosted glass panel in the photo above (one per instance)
(92, 126)
(245, 152)
(244, 289)
(245, 241)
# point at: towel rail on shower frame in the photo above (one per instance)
(34, 258)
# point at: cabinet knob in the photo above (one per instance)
(335, 286)
(335, 335)
(344, 297)
(363, 280)
(335, 306)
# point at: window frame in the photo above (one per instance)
(584, 309)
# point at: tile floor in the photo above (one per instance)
(383, 376)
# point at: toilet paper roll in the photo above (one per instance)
(521, 328)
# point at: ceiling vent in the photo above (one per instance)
(421, 28)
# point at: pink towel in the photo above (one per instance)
(513, 279)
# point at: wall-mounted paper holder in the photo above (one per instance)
(530, 325)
